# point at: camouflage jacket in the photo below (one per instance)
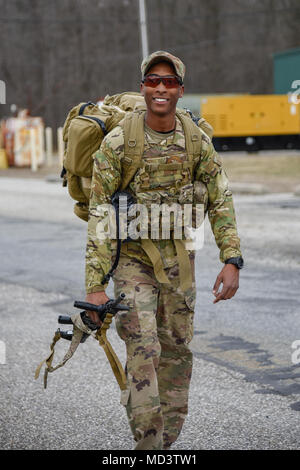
(107, 174)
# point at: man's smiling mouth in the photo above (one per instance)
(160, 100)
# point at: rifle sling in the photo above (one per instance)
(110, 353)
(100, 335)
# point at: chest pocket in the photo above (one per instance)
(163, 176)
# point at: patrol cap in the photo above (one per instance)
(163, 56)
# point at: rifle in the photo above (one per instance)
(83, 327)
(112, 306)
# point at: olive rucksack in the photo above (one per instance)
(87, 124)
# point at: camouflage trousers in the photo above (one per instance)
(157, 330)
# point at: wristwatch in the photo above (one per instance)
(238, 262)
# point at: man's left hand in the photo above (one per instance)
(229, 277)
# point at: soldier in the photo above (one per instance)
(159, 326)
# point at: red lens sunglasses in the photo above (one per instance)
(168, 81)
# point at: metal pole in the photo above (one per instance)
(41, 141)
(49, 147)
(34, 163)
(60, 145)
(143, 26)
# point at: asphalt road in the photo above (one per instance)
(245, 387)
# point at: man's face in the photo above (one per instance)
(160, 100)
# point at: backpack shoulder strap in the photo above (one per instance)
(206, 127)
(193, 136)
(133, 127)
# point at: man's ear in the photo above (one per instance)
(181, 91)
(142, 88)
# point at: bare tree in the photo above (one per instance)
(59, 53)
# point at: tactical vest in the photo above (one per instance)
(176, 178)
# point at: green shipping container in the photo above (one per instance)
(286, 71)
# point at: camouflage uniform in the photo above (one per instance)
(156, 331)
(159, 326)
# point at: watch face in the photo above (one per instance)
(240, 263)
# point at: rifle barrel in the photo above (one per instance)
(88, 306)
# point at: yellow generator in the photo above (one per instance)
(253, 122)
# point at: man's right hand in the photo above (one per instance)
(97, 298)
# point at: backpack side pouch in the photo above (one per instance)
(84, 138)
